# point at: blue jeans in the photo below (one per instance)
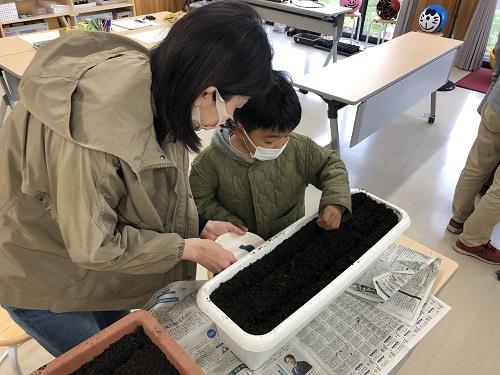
(59, 332)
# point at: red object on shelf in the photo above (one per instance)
(95, 345)
(388, 9)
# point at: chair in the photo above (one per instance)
(357, 19)
(11, 335)
(383, 29)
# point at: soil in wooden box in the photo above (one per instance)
(261, 296)
(133, 354)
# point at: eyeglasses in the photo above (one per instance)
(229, 124)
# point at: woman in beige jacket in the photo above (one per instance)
(96, 212)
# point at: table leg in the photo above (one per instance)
(380, 35)
(432, 115)
(3, 108)
(334, 131)
(332, 55)
(14, 361)
(13, 87)
(5, 87)
(337, 24)
(368, 33)
(333, 108)
(353, 30)
(358, 28)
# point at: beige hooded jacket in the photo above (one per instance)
(93, 211)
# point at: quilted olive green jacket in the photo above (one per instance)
(267, 196)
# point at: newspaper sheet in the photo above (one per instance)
(194, 331)
(400, 281)
(351, 336)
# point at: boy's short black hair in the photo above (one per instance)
(279, 109)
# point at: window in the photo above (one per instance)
(371, 13)
(495, 29)
(368, 11)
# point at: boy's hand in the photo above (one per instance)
(329, 218)
(207, 253)
(214, 229)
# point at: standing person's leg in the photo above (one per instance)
(479, 225)
(488, 182)
(59, 332)
(483, 157)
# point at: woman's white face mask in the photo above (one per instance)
(220, 106)
(262, 153)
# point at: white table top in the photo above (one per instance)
(13, 45)
(326, 11)
(356, 78)
(16, 54)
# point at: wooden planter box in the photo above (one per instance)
(95, 345)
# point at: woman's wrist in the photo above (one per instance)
(190, 249)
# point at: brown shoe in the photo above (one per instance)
(486, 253)
(455, 227)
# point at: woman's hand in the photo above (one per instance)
(329, 218)
(214, 229)
(207, 253)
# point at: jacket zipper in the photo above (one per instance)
(151, 167)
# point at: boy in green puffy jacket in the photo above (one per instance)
(255, 175)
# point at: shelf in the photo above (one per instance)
(98, 8)
(35, 18)
(25, 6)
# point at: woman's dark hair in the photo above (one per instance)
(279, 109)
(223, 45)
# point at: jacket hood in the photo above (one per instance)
(221, 140)
(94, 89)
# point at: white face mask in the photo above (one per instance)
(220, 106)
(262, 153)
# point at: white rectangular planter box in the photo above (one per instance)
(254, 350)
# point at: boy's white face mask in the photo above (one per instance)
(220, 106)
(262, 153)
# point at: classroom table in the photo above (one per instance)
(447, 268)
(16, 54)
(384, 80)
(14, 67)
(13, 45)
(327, 20)
(9, 46)
(162, 23)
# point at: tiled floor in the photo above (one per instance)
(414, 165)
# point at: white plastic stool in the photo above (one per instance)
(383, 29)
(11, 335)
(356, 18)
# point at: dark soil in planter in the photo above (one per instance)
(133, 354)
(261, 296)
